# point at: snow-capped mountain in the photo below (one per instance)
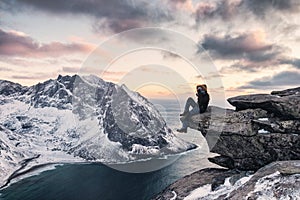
(79, 118)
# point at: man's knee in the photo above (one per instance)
(190, 99)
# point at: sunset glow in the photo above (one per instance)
(255, 49)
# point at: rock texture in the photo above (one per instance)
(284, 107)
(264, 128)
(278, 180)
(258, 143)
(184, 186)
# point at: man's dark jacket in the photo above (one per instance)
(203, 100)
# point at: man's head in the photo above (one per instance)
(202, 87)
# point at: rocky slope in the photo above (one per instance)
(264, 129)
(278, 180)
(79, 119)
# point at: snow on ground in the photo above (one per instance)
(19, 145)
(205, 192)
(263, 131)
(267, 187)
(51, 135)
(38, 126)
(175, 196)
(199, 192)
(263, 119)
(271, 187)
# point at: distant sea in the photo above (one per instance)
(100, 182)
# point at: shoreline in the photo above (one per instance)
(19, 173)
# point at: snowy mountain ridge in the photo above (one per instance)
(78, 119)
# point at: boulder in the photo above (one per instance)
(278, 180)
(288, 92)
(183, 187)
(285, 107)
(258, 143)
(263, 128)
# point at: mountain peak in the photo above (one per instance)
(9, 88)
(85, 118)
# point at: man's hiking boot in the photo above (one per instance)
(184, 113)
(182, 130)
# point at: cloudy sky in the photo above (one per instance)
(254, 45)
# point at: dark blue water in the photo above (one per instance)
(97, 181)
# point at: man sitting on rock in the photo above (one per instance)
(203, 100)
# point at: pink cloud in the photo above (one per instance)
(14, 43)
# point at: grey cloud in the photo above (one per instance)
(286, 78)
(212, 75)
(120, 15)
(89, 7)
(262, 56)
(178, 1)
(242, 46)
(148, 36)
(227, 9)
(249, 51)
(117, 25)
(237, 67)
(292, 61)
(258, 66)
(221, 9)
(117, 15)
(260, 7)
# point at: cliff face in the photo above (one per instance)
(258, 143)
(264, 128)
